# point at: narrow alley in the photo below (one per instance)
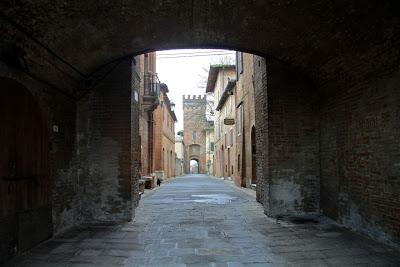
(198, 220)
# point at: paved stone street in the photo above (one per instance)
(203, 221)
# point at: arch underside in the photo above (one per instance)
(333, 75)
(107, 31)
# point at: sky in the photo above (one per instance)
(183, 72)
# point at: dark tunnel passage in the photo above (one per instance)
(326, 95)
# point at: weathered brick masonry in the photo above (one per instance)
(105, 139)
(194, 125)
(64, 54)
(92, 175)
(329, 150)
(288, 140)
(360, 135)
(260, 92)
(293, 140)
(59, 111)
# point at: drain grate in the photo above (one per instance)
(303, 220)
(299, 219)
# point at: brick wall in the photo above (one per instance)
(245, 95)
(287, 139)
(164, 143)
(260, 92)
(105, 152)
(346, 133)
(158, 152)
(360, 133)
(293, 140)
(194, 119)
(58, 110)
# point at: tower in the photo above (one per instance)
(194, 125)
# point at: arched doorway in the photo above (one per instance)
(25, 209)
(253, 155)
(194, 166)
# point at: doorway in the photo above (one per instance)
(25, 210)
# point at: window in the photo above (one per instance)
(225, 140)
(217, 130)
(194, 136)
(212, 146)
(239, 124)
(221, 127)
(238, 164)
(231, 133)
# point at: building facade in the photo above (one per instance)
(145, 79)
(194, 134)
(221, 82)
(164, 136)
(210, 148)
(156, 120)
(245, 174)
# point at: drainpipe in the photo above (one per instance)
(150, 141)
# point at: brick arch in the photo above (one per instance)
(198, 163)
(332, 76)
(107, 31)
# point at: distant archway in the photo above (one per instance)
(194, 166)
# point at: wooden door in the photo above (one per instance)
(25, 212)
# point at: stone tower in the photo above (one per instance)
(194, 125)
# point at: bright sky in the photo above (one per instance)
(183, 72)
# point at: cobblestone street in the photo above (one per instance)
(203, 221)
